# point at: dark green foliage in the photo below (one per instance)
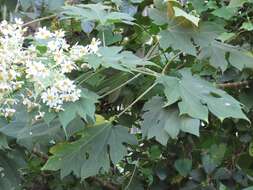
(167, 103)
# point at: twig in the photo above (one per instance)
(39, 19)
(234, 84)
(137, 99)
(40, 154)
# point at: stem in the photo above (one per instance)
(40, 154)
(137, 99)
(151, 51)
(132, 176)
(154, 74)
(234, 84)
(120, 86)
(39, 19)
(103, 35)
(169, 62)
(91, 75)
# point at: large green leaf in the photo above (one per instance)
(112, 57)
(10, 165)
(188, 39)
(162, 123)
(196, 96)
(28, 135)
(216, 52)
(96, 12)
(90, 154)
(181, 38)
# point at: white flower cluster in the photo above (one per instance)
(62, 91)
(39, 77)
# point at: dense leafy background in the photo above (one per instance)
(167, 105)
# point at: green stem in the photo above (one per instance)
(120, 86)
(169, 62)
(137, 99)
(132, 176)
(91, 75)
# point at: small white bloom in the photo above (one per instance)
(43, 34)
(36, 70)
(19, 21)
(9, 112)
(94, 46)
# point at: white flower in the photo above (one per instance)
(43, 34)
(65, 85)
(59, 34)
(67, 66)
(94, 45)
(9, 112)
(51, 98)
(19, 21)
(78, 51)
(36, 70)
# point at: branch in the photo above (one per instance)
(234, 84)
(40, 154)
(39, 19)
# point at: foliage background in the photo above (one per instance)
(161, 95)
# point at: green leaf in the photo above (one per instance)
(225, 12)
(247, 26)
(26, 4)
(183, 166)
(40, 133)
(196, 96)
(208, 164)
(217, 152)
(158, 17)
(239, 58)
(55, 4)
(90, 155)
(238, 3)
(96, 12)
(84, 107)
(181, 13)
(163, 123)
(199, 6)
(226, 36)
(112, 57)
(3, 142)
(180, 38)
(10, 165)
